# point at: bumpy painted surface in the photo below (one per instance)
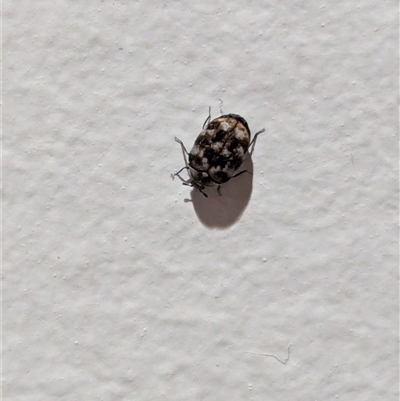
(115, 287)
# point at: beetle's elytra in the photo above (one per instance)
(218, 152)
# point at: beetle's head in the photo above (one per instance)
(200, 179)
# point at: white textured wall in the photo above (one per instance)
(115, 286)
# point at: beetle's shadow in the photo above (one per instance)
(221, 211)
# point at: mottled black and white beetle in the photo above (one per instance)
(218, 152)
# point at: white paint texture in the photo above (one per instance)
(114, 287)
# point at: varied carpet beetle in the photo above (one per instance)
(218, 152)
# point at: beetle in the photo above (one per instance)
(218, 152)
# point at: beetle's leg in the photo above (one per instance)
(183, 168)
(184, 151)
(190, 184)
(208, 118)
(221, 103)
(219, 190)
(177, 174)
(203, 192)
(241, 172)
(182, 145)
(253, 142)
